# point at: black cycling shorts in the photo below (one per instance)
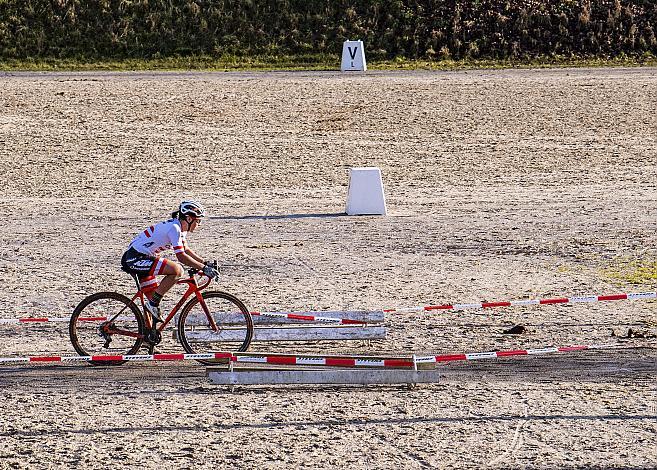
(142, 264)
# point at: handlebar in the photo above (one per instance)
(194, 271)
(203, 282)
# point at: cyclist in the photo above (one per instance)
(142, 257)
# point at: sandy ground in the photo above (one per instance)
(500, 185)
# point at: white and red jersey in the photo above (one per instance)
(163, 236)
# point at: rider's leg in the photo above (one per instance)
(172, 272)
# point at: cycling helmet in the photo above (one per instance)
(191, 208)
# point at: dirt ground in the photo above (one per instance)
(500, 185)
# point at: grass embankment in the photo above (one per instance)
(308, 34)
(306, 62)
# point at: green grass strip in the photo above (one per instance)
(305, 62)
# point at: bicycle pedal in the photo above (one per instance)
(153, 337)
(151, 350)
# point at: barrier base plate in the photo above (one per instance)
(223, 376)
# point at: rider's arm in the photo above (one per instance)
(192, 261)
(183, 253)
(189, 252)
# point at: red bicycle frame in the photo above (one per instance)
(192, 288)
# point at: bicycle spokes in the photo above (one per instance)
(225, 325)
(119, 336)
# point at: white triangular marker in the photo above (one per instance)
(365, 195)
(353, 57)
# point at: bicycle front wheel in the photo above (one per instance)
(234, 325)
(94, 333)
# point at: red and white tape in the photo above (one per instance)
(283, 359)
(344, 321)
(291, 316)
(523, 303)
(516, 352)
(327, 361)
(11, 321)
(305, 317)
(114, 358)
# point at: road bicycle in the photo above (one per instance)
(109, 323)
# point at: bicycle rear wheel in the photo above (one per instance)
(92, 334)
(232, 318)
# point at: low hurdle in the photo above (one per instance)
(238, 376)
(345, 318)
(281, 369)
(280, 359)
(275, 368)
(274, 326)
(306, 326)
(326, 370)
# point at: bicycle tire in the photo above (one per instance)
(93, 306)
(220, 304)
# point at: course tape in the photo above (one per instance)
(297, 316)
(522, 303)
(12, 321)
(344, 321)
(292, 316)
(115, 358)
(327, 361)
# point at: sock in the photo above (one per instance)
(155, 299)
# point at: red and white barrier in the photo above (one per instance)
(523, 303)
(114, 358)
(284, 359)
(291, 316)
(11, 321)
(345, 321)
(297, 316)
(327, 361)
(516, 352)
